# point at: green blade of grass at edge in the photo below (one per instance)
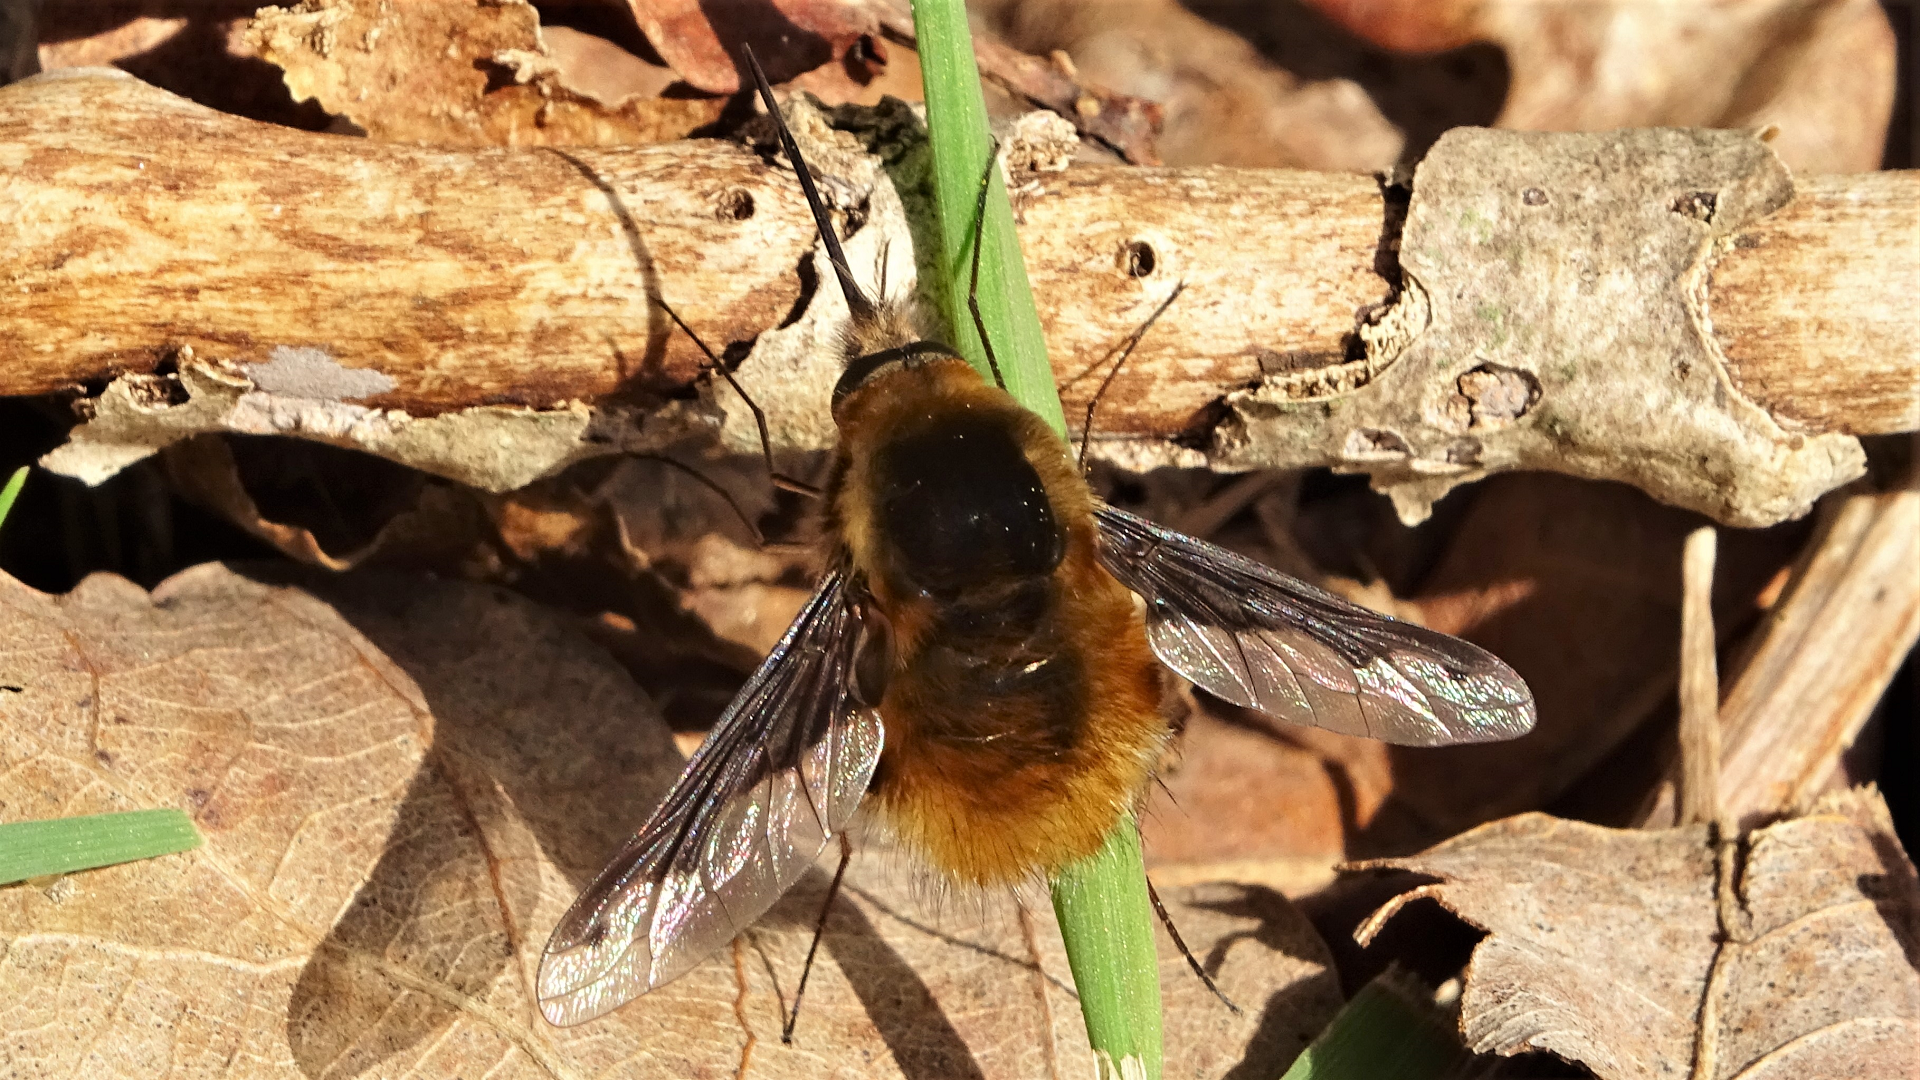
(12, 491)
(32, 849)
(1101, 902)
(1387, 1030)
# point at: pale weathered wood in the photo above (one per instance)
(1699, 682)
(140, 230)
(1818, 306)
(137, 222)
(1824, 659)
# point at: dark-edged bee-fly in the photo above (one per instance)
(974, 669)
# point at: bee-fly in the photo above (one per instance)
(974, 669)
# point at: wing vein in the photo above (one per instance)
(727, 841)
(1303, 655)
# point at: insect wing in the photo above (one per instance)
(1253, 636)
(779, 777)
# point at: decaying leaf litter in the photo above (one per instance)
(1577, 583)
(389, 830)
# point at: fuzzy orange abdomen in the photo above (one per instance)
(1009, 772)
(1021, 704)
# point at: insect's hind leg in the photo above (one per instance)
(819, 931)
(1166, 920)
(780, 480)
(1133, 339)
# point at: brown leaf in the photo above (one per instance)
(329, 507)
(1224, 103)
(471, 73)
(1407, 25)
(600, 69)
(1354, 84)
(1824, 71)
(1577, 585)
(701, 39)
(1788, 953)
(690, 522)
(197, 50)
(401, 784)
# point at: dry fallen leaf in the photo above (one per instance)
(1224, 103)
(471, 73)
(365, 821)
(691, 522)
(1787, 953)
(198, 50)
(699, 38)
(1823, 70)
(600, 69)
(1577, 586)
(1363, 84)
(401, 783)
(330, 507)
(1244, 794)
(1573, 583)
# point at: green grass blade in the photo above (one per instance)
(1389, 1030)
(1102, 902)
(31, 849)
(957, 132)
(12, 491)
(1108, 927)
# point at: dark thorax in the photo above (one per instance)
(959, 541)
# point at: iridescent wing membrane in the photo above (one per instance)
(779, 777)
(1255, 637)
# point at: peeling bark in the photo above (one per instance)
(1556, 316)
(169, 250)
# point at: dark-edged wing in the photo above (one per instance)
(1260, 639)
(778, 778)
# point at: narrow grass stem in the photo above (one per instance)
(1108, 927)
(963, 154)
(1101, 902)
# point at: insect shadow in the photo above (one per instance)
(908, 1018)
(659, 327)
(1277, 1039)
(578, 756)
(418, 918)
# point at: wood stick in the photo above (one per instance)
(459, 279)
(1814, 671)
(1699, 683)
(1787, 305)
(1823, 660)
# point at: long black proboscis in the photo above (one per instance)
(857, 301)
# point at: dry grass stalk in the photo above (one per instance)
(1820, 663)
